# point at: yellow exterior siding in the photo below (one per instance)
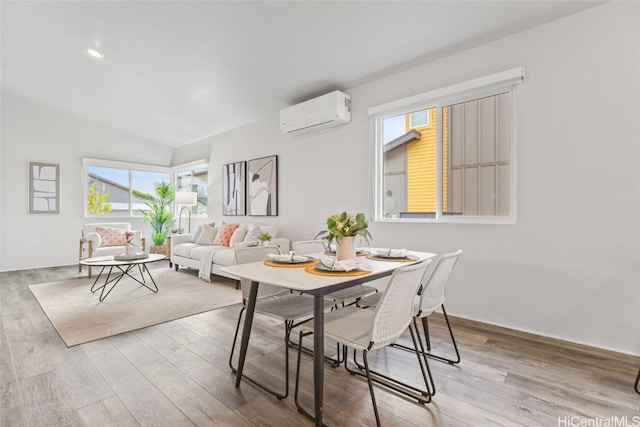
(421, 167)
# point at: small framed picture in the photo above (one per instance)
(44, 188)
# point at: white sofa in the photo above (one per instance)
(186, 253)
(91, 244)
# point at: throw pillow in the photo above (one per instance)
(207, 235)
(224, 235)
(198, 231)
(110, 236)
(238, 235)
(252, 234)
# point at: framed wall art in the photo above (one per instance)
(233, 188)
(44, 188)
(262, 184)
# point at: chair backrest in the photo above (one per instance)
(394, 311)
(434, 284)
(254, 254)
(304, 247)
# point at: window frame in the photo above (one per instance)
(505, 81)
(172, 171)
(191, 166)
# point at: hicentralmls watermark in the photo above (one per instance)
(575, 421)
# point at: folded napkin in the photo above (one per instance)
(290, 257)
(392, 253)
(344, 265)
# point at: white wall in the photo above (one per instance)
(570, 267)
(32, 132)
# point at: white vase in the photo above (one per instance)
(346, 248)
(132, 250)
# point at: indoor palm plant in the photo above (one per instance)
(159, 215)
(343, 228)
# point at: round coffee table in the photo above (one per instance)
(123, 268)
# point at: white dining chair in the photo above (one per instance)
(367, 330)
(275, 302)
(430, 297)
(342, 297)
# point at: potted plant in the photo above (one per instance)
(159, 215)
(343, 227)
(264, 238)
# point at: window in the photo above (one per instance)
(418, 119)
(110, 187)
(194, 177)
(448, 155)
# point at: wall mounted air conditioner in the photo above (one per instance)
(332, 109)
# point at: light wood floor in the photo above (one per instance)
(176, 374)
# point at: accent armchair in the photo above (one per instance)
(103, 239)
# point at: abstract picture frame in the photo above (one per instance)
(44, 188)
(234, 189)
(262, 186)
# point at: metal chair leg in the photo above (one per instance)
(278, 395)
(422, 396)
(370, 382)
(427, 334)
(637, 383)
(235, 339)
(415, 337)
(432, 389)
(453, 341)
(427, 351)
(297, 384)
(333, 362)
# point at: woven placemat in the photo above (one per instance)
(379, 258)
(270, 263)
(311, 269)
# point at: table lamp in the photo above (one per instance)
(186, 199)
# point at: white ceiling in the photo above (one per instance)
(176, 72)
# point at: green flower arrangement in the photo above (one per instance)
(345, 224)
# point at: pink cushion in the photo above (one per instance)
(224, 235)
(111, 236)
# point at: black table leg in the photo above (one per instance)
(318, 356)
(107, 281)
(117, 277)
(96, 281)
(246, 330)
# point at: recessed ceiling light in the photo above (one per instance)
(95, 53)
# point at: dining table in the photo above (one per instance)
(317, 283)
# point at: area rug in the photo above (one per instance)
(79, 317)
